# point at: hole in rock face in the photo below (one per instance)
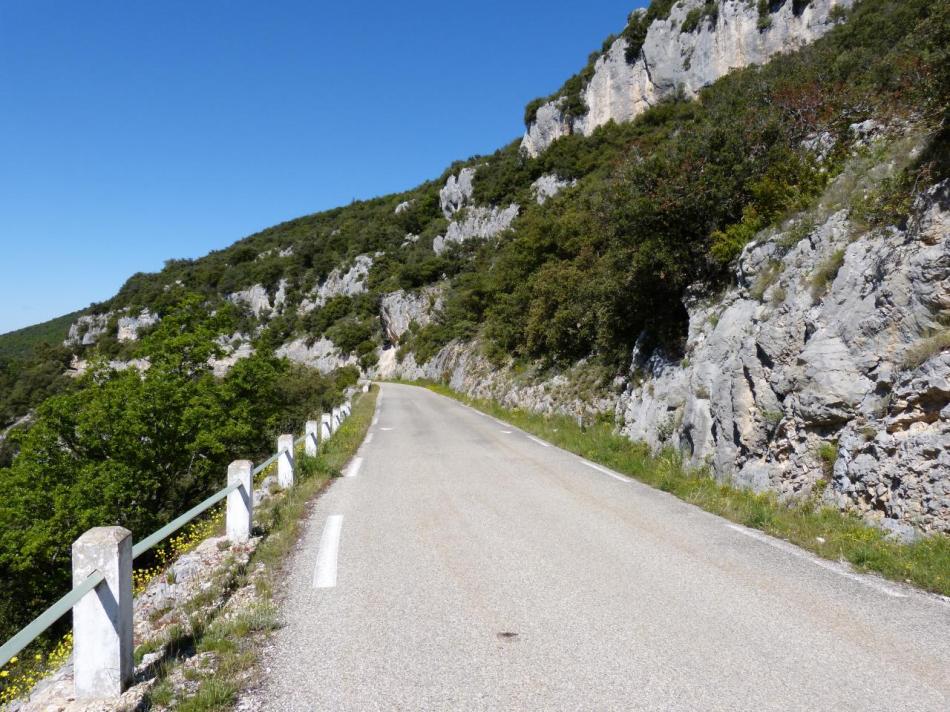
(507, 635)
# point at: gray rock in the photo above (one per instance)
(129, 326)
(397, 310)
(671, 60)
(457, 192)
(340, 283)
(87, 329)
(549, 185)
(322, 355)
(477, 222)
(254, 298)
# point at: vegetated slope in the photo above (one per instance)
(593, 276)
(19, 344)
(137, 446)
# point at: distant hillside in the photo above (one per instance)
(19, 344)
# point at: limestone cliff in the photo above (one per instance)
(676, 57)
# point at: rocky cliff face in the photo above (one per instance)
(469, 221)
(672, 59)
(258, 300)
(787, 376)
(340, 282)
(398, 310)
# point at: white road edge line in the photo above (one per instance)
(369, 439)
(835, 568)
(324, 575)
(354, 468)
(538, 441)
(375, 420)
(605, 471)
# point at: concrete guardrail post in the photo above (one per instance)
(326, 425)
(336, 418)
(365, 388)
(285, 461)
(312, 442)
(102, 620)
(240, 506)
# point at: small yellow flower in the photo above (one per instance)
(14, 659)
(4, 673)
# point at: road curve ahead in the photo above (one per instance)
(463, 565)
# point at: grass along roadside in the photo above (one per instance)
(823, 530)
(218, 658)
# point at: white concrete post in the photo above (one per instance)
(102, 620)
(337, 419)
(365, 388)
(326, 426)
(312, 442)
(240, 507)
(285, 461)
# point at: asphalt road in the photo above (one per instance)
(467, 566)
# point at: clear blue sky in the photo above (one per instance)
(133, 132)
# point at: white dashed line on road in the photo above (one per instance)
(324, 575)
(354, 468)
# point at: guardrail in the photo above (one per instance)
(102, 565)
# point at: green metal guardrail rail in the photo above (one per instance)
(56, 611)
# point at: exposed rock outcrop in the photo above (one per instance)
(457, 192)
(476, 222)
(398, 310)
(322, 355)
(671, 60)
(463, 367)
(802, 367)
(87, 329)
(340, 282)
(258, 300)
(233, 348)
(129, 326)
(549, 185)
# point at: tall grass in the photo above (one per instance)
(823, 530)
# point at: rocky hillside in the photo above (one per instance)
(676, 47)
(727, 234)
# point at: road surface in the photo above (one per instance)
(464, 565)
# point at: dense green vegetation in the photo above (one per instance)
(20, 344)
(136, 449)
(823, 530)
